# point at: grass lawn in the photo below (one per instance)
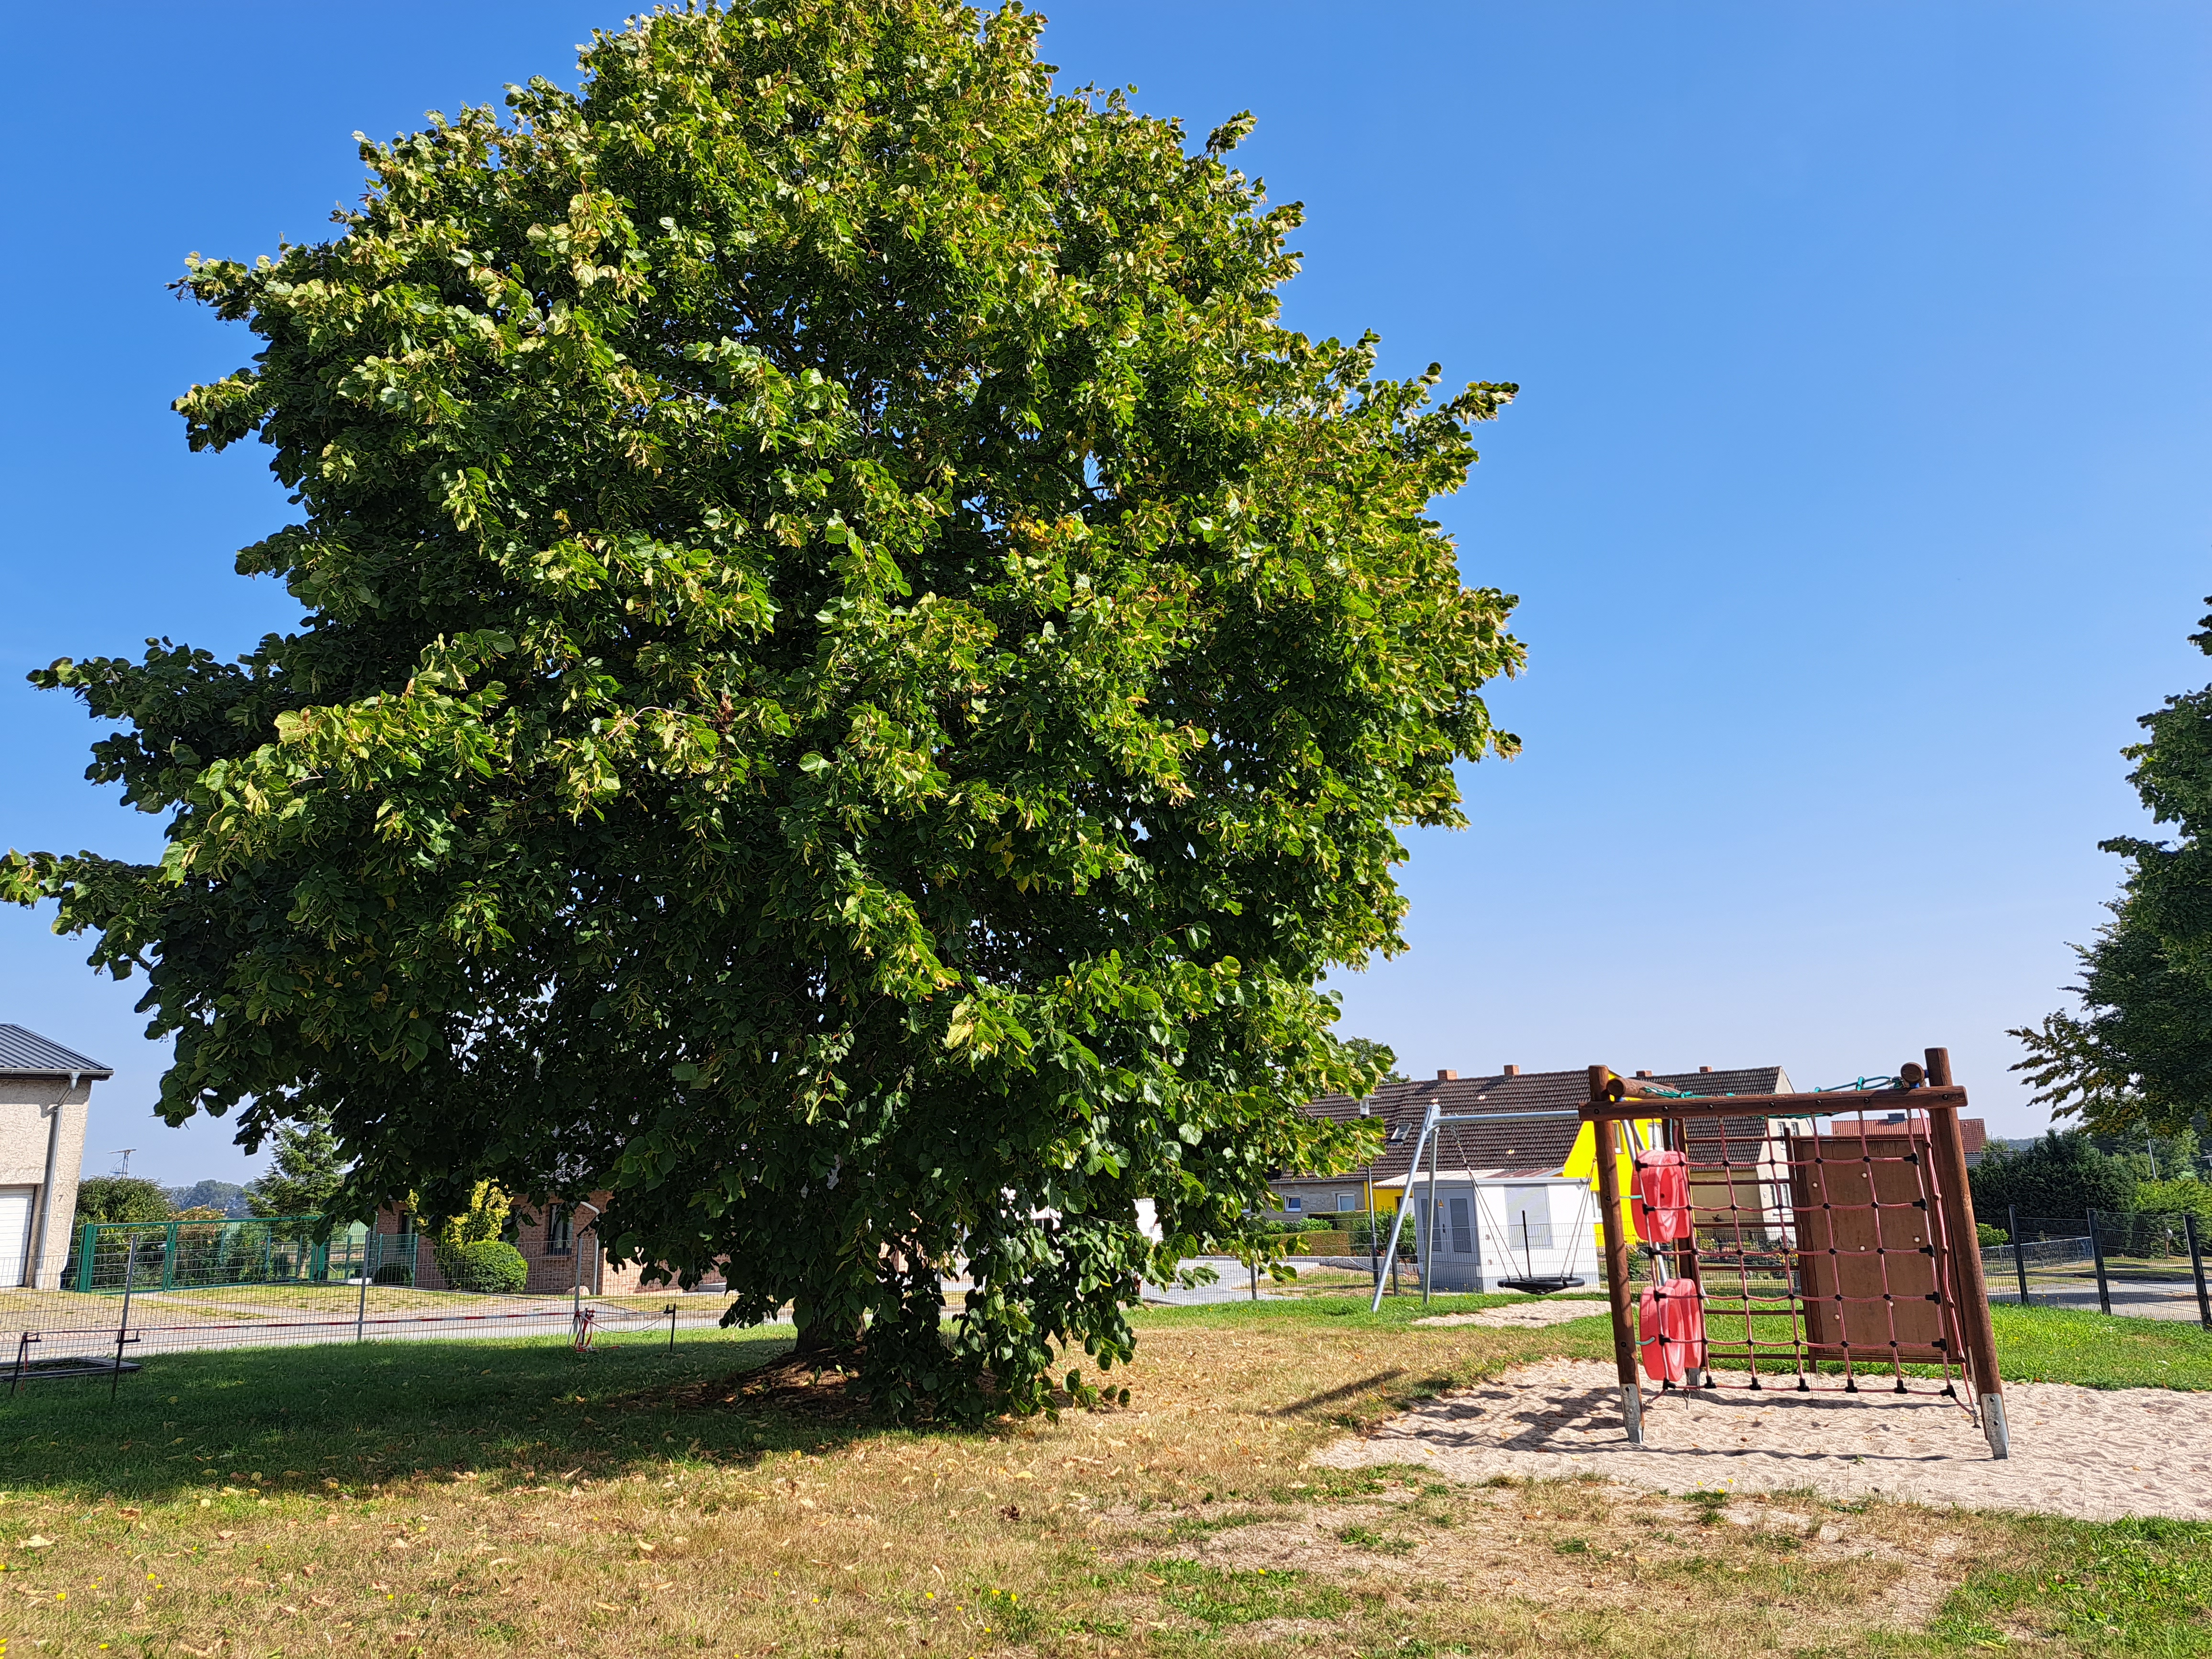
(487, 1498)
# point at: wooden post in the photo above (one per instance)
(1947, 1151)
(1606, 1143)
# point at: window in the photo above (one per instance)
(1528, 1217)
(1295, 1206)
(560, 1230)
(1346, 1202)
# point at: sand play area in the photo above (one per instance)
(2094, 1454)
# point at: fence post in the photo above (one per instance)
(2196, 1268)
(2097, 1251)
(367, 1272)
(2019, 1250)
(169, 1258)
(122, 1330)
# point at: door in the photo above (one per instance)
(1462, 1233)
(15, 1208)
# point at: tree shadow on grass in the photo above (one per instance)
(354, 1419)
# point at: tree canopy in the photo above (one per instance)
(855, 681)
(2139, 1054)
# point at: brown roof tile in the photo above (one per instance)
(1522, 1142)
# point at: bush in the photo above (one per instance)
(2058, 1177)
(120, 1198)
(1987, 1236)
(487, 1266)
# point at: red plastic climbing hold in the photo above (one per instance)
(1662, 1196)
(1670, 1331)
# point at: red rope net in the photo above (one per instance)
(1818, 1249)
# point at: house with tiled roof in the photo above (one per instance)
(1530, 1147)
(46, 1093)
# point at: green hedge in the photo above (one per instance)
(488, 1267)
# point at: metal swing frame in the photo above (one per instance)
(1431, 1141)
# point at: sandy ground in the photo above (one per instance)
(2092, 1454)
(1521, 1315)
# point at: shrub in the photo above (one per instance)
(2060, 1176)
(2172, 1198)
(488, 1266)
(120, 1198)
(1987, 1236)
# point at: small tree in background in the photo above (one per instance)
(306, 1172)
(120, 1198)
(856, 681)
(483, 1219)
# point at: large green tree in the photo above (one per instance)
(856, 680)
(2138, 1055)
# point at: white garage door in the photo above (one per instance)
(15, 1233)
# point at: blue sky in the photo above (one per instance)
(1857, 496)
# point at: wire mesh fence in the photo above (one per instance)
(2143, 1265)
(132, 1291)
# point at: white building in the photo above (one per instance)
(1495, 1230)
(45, 1093)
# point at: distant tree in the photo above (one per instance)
(485, 1220)
(2139, 1053)
(2061, 1176)
(307, 1169)
(1376, 1057)
(120, 1198)
(227, 1196)
(856, 682)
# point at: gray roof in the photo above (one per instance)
(1513, 1141)
(26, 1054)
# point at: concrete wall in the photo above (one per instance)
(26, 1120)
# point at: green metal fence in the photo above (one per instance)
(117, 1255)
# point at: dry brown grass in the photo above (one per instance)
(1188, 1522)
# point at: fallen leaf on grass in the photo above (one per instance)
(38, 1542)
(609, 1606)
(503, 1561)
